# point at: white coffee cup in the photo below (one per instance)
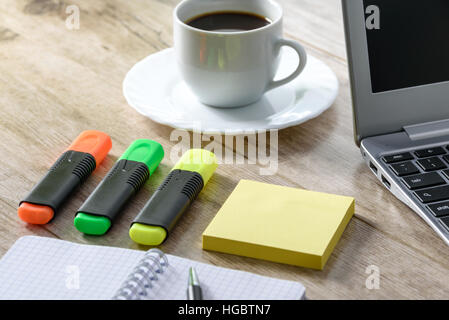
(230, 69)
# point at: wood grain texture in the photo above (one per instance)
(56, 82)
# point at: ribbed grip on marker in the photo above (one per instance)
(67, 173)
(121, 183)
(171, 199)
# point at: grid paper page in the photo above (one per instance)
(44, 268)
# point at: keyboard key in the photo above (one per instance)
(425, 180)
(432, 164)
(398, 157)
(440, 209)
(445, 222)
(433, 194)
(404, 169)
(430, 152)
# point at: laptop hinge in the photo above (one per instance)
(428, 130)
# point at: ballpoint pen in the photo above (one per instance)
(194, 291)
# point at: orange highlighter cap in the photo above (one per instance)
(35, 213)
(94, 142)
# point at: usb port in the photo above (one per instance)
(373, 167)
(386, 182)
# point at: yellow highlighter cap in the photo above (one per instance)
(147, 235)
(201, 161)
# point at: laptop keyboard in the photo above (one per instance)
(425, 173)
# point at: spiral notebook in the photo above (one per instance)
(45, 268)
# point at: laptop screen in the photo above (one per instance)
(408, 43)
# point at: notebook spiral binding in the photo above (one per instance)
(140, 280)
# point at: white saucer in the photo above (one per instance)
(154, 88)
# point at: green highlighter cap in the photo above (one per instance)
(146, 151)
(125, 179)
(90, 224)
(161, 213)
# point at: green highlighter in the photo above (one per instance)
(173, 197)
(122, 182)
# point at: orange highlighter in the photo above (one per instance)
(72, 168)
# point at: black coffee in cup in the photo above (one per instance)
(228, 21)
(228, 51)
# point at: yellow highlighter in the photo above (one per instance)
(173, 197)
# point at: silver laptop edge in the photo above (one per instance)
(373, 149)
(393, 121)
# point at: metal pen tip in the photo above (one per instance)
(193, 278)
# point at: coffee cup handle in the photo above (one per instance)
(301, 65)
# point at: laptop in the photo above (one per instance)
(398, 53)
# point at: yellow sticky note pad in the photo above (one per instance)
(279, 224)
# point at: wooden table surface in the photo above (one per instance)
(57, 82)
